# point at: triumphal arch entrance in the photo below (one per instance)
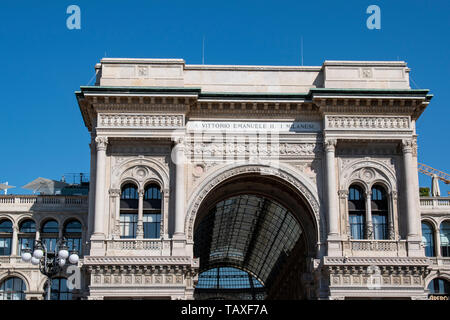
(253, 182)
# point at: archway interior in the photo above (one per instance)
(244, 238)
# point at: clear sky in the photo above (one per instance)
(43, 62)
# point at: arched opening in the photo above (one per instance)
(428, 239)
(73, 235)
(12, 288)
(379, 207)
(129, 198)
(59, 290)
(253, 232)
(6, 230)
(152, 211)
(50, 234)
(356, 212)
(439, 287)
(445, 237)
(27, 235)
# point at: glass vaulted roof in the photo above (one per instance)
(249, 232)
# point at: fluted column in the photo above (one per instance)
(332, 207)
(140, 223)
(101, 143)
(412, 221)
(369, 222)
(179, 159)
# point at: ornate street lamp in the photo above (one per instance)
(50, 262)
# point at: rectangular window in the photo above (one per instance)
(128, 224)
(74, 244)
(357, 226)
(5, 246)
(380, 231)
(24, 243)
(152, 225)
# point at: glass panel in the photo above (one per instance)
(26, 242)
(128, 224)
(152, 225)
(357, 222)
(74, 244)
(13, 289)
(129, 191)
(380, 227)
(6, 226)
(445, 238)
(59, 290)
(73, 227)
(152, 192)
(428, 239)
(50, 243)
(50, 227)
(28, 226)
(5, 246)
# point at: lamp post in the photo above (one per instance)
(50, 262)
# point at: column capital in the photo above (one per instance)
(114, 192)
(330, 145)
(407, 145)
(343, 194)
(178, 140)
(141, 192)
(102, 143)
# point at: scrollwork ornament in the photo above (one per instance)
(102, 143)
(330, 145)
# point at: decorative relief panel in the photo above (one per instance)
(368, 123)
(106, 120)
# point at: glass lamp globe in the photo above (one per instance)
(62, 262)
(63, 254)
(26, 256)
(73, 258)
(38, 253)
(34, 261)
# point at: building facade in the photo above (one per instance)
(250, 182)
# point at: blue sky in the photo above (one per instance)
(43, 62)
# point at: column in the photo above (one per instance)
(412, 221)
(102, 143)
(140, 224)
(437, 242)
(369, 222)
(115, 216)
(333, 217)
(91, 209)
(179, 159)
(14, 240)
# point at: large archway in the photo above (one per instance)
(254, 234)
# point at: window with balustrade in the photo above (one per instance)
(428, 239)
(129, 202)
(27, 235)
(50, 234)
(379, 207)
(444, 237)
(73, 235)
(6, 232)
(356, 212)
(152, 211)
(12, 289)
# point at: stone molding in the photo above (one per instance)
(368, 122)
(102, 143)
(165, 121)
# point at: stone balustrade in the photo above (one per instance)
(362, 248)
(41, 202)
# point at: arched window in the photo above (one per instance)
(439, 287)
(72, 233)
(6, 229)
(59, 290)
(12, 289)
(152, 211)
(129, 198)
(27, 235)
(445, 238)
(356, 212)
(379, 206)
(428, 239)
(50, 234)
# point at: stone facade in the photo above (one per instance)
(314, 130)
